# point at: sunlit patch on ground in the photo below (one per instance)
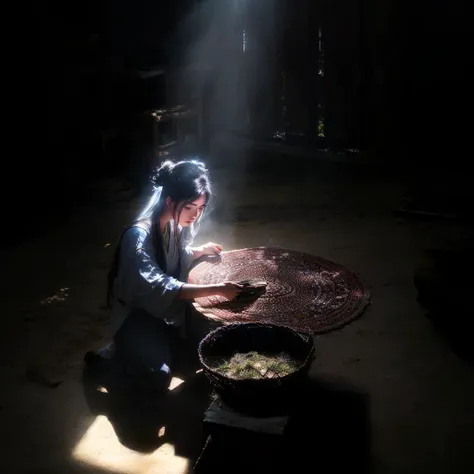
(175, 383)
(100, 448)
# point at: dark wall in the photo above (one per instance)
(423, 86)
(74, 63)
(396, 78)
(70, 67)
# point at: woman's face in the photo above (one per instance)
(191, 211)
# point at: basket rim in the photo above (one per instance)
(306, 339)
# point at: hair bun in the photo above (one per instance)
(163, 174)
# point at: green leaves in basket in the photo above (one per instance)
(253, 365)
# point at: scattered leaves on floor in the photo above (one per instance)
(61, 295)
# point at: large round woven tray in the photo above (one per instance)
(304, 292)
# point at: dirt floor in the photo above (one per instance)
(388, 374)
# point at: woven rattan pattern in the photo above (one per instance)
(305, 292)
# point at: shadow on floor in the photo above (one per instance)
(456, 331)
(329, 430)
(137, 419)
(444, 286)
(332, 425)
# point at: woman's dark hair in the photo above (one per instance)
(184, 182)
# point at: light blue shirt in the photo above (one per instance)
(142, 284)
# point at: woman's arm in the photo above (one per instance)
(207, 249)
(228, 289)
(143, 283)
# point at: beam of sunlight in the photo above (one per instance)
(100, 448)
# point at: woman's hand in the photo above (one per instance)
(211, 249)
(230, 290)
(207, 249)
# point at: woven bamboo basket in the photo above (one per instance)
(263, 396)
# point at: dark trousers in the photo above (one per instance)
(147, 351)
(147, 348)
